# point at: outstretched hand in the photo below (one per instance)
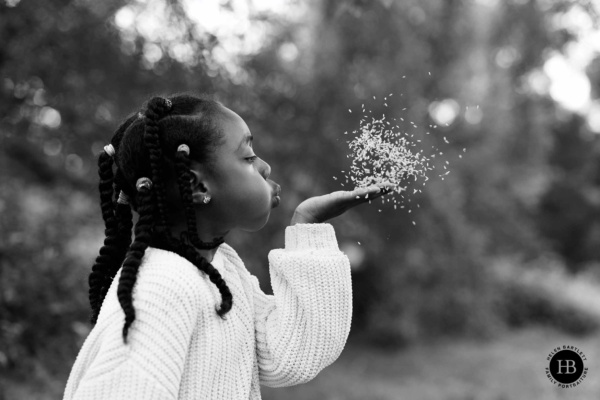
(322, 208)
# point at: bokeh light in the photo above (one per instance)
(444, 112)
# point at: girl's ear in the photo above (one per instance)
(199, 187)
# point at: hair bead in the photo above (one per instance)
(168, 104)
(143, 183)
(109, 149)
(123, 198)
(184, 148)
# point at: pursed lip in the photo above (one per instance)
(276, 196)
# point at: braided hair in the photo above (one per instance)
(115, 242)
(146, 145)
(185, 176)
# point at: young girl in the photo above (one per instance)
(176, 313)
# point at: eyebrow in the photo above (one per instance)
(247, 139)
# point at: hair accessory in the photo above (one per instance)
(143, 183)
(185, 148)
(140, 115)
(206, 199)
(168, 103)
(123, 198)
(109, 149)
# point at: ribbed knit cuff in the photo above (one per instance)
(310, 237)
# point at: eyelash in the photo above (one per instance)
(251, 159)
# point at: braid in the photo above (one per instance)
(124, 219)
(182, 164)
(184, 178)
(190, 254)
(105, 170)
(157, 108)
(125, 224)
(133, 259)
(107, 251)
(111, 253)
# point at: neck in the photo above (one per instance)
(209, 237)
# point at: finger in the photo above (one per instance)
(373, 191)
(349, 199)
(386, 190)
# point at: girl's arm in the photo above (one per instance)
(304, 326)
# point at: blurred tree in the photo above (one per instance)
(569, 211)
(434, 278)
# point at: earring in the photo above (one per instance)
(206, 199)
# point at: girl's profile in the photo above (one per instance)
(176, 313)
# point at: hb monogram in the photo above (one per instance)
(566, 368)
(569, 366)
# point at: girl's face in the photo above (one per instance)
(242, 196)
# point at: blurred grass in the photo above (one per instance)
(508, 367)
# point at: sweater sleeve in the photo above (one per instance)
(303, 327)
(151, 364)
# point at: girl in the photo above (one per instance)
(176, 313)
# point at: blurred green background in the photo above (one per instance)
(503, 263)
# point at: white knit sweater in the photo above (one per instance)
(179, 348)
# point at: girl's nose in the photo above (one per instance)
(265, 169)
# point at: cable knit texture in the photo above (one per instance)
(179, 348)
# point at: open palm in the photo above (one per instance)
(322, 208)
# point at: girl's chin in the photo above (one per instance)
(258, 224)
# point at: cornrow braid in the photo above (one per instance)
(133, 259)
(156, 109)
(182, 164)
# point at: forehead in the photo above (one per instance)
(234, 128)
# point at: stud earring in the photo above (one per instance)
(206, 199)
